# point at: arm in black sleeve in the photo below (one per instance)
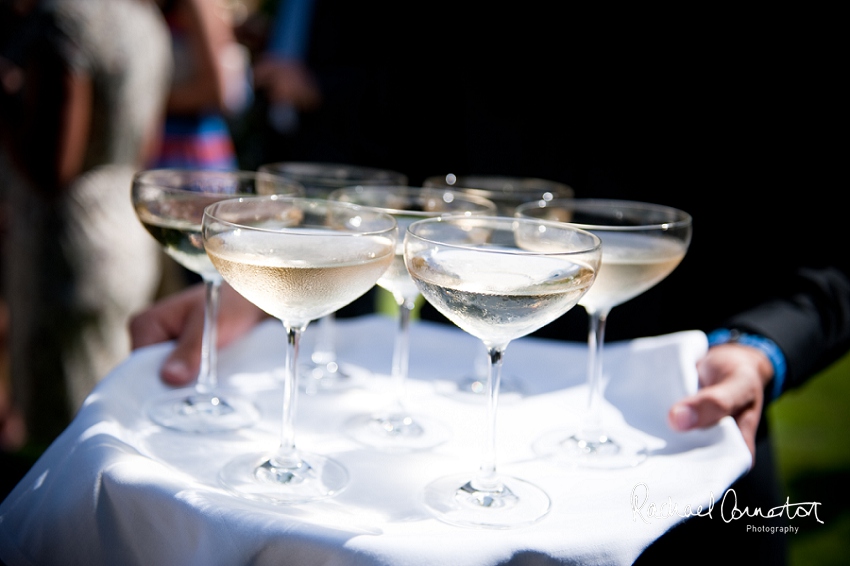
(811, 325)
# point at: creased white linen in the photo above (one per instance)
(116, 489)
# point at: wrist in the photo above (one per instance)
(764, 345)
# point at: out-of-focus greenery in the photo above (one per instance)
(810, 429)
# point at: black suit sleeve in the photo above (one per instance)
(811, 325)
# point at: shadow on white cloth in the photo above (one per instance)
(115, 488)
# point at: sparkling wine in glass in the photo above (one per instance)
(170, 205)
(395, 427)
(507, 192)
(323, 372)
(642, 244)
(297, 259)
(498, 279)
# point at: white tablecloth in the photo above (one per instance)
(116, 489)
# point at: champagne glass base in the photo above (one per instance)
(571, 448)
(396, 431)
(473, 389)
(254, 477)
(453, 500)
(328, 378)
(189, 411)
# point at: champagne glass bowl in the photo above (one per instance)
(323, 372)
(298, 260)
(498, 279)
(642, 244)
(321, 178)
(395, 427)
(170, 204)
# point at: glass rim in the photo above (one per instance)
(524, 185)
(597, 242)
(682, 220)
(209, 211)
(158, 178)
(322, 171)
(487, 205)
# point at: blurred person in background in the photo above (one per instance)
(356, 82)
(210, 85)
(284, 78)
(210, 89)
(84, 90)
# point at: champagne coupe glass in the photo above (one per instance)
(170, 204)
(395, 428)
(498, 279)
(297, 259)
(507, 192)
(642, 244)
(324, 372)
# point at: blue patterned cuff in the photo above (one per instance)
(765, 345)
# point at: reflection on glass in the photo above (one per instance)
(396, 428)
(170, 204)
(641, 245)
(507, 192)
(297, 260)
(323, 372)
(497, 279)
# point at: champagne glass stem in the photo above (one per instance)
(401, 351)
(285, 456)
(486, 480)
(595, 339)
(208, 373)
